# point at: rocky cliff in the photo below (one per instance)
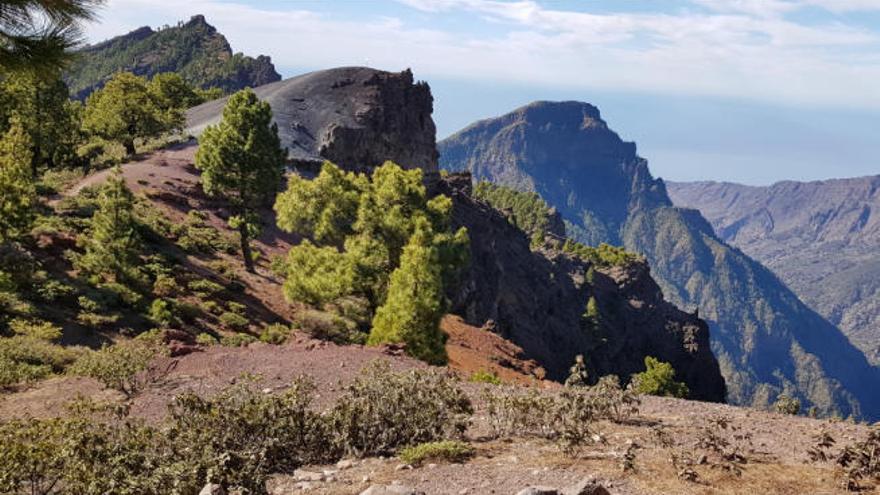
(195, 50)
(766, 340)
(822, 238)
(537, 299)
(355, 117)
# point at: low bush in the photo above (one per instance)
(165, 285)
(786, 404)
(861, 461)
(485, 377)
(25, 358)
(240, 436)
(237, 340)
(659, 379)
(116, 366)
(160, 312)
(611, 401)
(447, 451)
(567, 417)
(206, 339)
(38, 329)
(275, 334)
(234, 321)
(204, 289)
(382, 411)
(328, 326)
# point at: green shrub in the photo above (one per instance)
(53, 290)
(382, 411)
(160, 312)
(116, 366)
(604, 256)
(94, 314)
(327, 326)
(204, 289)
(121, 294)
(234, 321)
(38, 329)
(485, 377)
(165, 285)
(25, 358)
(240, 436)
(212, 307)
(206, 339)
(275, 334)
(237, 340)
(659, 379)
(448, 451)
(786, 404)
(237, 308)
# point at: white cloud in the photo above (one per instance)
(739, 48)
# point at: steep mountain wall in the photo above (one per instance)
(355, 117)
(766, 340)
(194, 49)
(822, 238)
(536, 299)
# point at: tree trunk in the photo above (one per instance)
(246, 248)
(129, 148)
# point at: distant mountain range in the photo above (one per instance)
(766, 340)
(822, 238)
(194, 49)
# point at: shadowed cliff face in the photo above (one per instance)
(537, 299)
(822, 238)
(766, 340)
(355, 117)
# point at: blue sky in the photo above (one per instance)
(751, 91)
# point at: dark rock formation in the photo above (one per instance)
(536, 300)
(355, 117)
(194, 49)
(767, 341)
(822, 238)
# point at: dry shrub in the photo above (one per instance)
(382, 411)
(567, 417)
(861, 461)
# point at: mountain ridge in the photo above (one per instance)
(767, 341)
(194, 49)
(821, 237)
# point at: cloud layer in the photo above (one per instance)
(754, 49)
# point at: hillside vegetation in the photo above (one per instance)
(194, 49)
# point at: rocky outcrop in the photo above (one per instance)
(822, 238)
(355, 117)
(195, 50)
(536, 299)
(766, 340)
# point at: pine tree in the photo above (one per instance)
(125, 110)
(113, 244)
(41, 103)
(38, 34)
(242, 160)
(414, 305)
(17, 190)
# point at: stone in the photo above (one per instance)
(391, 490)
(588, 486)
(213, 489)
(345, 464)
(538, 490)
(303, 475)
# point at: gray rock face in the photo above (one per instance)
(822, 238)
(536, 300)
(355, 117)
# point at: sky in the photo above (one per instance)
(750, 91)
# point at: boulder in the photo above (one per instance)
(213, 489)
(391, 490)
